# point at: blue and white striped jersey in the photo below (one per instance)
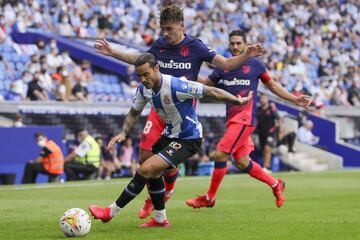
(174, 102)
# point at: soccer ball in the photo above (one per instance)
(75, 222)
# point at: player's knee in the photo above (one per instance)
(147, 170)
(242, 162)
(221, 156)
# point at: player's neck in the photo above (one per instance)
(180, 39)
(157, 85)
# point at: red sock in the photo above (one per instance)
(257, 172)
(170, 180)
(216, 179)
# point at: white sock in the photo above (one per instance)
(115, 209)
(160, 215)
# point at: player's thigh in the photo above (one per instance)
(153, 167)
(179, 150)
(153, 128)
(144, 154)
(244, 149)
(234, 137)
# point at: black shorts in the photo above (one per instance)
(269, 139)
(175, 151)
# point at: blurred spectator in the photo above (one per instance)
(83, 163)
(308, 43)
(354, 95)
(339, 97)
(18, 121)
(41, 47)
(192, 165)
(14, 93)
(302, 117)
(59, 73)
(64, 90)
(286, 137)
(8, 67)
(50, 161)
(34, 65)
(267, 129)
(82, 74)
(65, 27)
(107, 166)
(66, 60)
(80, 92)
(45, 80)
(305, 134)
(35, 91)
(54, 59)
(126, 161)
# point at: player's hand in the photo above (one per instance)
(254, 50)
(303, 101)
(104, 47)
(243, 100)
(118, 138)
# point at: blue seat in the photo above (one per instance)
(8, 48)
(113, 79)
(96, 77)
(108, 89)
(7, 56)
(116, 89)
(99, 88)
(25, 58)
(15, 57)
(20, 66)
(91, 88)
(7, 84)
(104, 79)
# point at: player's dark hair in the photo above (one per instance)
(145, 58)
(171, 14)
(39, 134)
(238, 32)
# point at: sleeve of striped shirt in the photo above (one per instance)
(189, 90)
(139, 101)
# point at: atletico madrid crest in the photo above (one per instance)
(246, 69)
(184, 51)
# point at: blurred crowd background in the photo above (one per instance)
(311, 46)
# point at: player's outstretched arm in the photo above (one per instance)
(106, 48)
(301, 101)
(235, 62)
(205, 81)
(129, 122)
(224, 96)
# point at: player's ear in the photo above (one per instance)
(157, 67)
(182, 25)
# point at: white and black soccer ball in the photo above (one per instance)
(75, 222)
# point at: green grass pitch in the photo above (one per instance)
(318, 206)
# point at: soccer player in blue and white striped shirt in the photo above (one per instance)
(172, 98)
